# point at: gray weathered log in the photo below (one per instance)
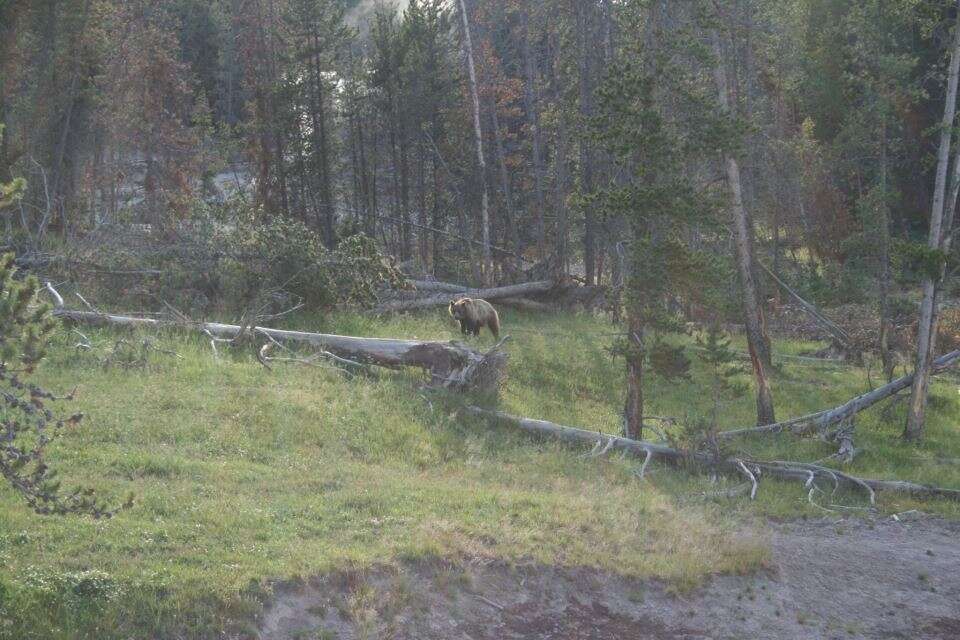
(436, 286)
(817, 421)
(579, 436)
(442, 299)
(447, 362)
(782, 470)
(524, 304)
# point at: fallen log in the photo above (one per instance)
(436, 286)
(425, 286)
(752, 469)
(442, 299)
(525, 304)
(451, 365)
(813, 422)
(579, 436)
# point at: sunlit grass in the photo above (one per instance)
(242, 476)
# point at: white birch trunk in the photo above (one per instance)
(478, 134)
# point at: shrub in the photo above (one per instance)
(228, 259)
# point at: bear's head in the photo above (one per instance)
(458, 308)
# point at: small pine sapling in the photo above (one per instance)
(722, 366)
(27, 424)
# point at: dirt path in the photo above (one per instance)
(831, 578)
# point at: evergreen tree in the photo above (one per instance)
(27, 424)
(657, 117)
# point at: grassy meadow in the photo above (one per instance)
(243, 476)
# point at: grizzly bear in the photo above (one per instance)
(474, 313)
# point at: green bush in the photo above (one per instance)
(287, 256)
(228, 259)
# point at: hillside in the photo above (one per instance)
(244, 477)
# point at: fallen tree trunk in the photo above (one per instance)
(450, 364)
(753, 469)
(579, 436)
(436, 286)
(427, 286)
(817, 421)
(525, 304)
(442, 299)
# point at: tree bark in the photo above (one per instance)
(633, 406)
(441, 299)
(450, 364)
(586, 72)
(926, 330)
(509, 215)
(487, 271)
(322, 151)
(524, 304)
(536, 143)
(832, 328)
(799, 471)
(743, 237)
(886, 277)
(817, 421)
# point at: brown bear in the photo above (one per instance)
(474, 313)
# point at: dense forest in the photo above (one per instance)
(479, 141)
(669, 153)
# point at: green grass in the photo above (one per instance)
(243, 476)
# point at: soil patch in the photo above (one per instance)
(830, 578)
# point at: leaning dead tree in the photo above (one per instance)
(836, 332)
(811, 475)
(451, 365)
(819, 421)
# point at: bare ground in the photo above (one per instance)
(830, 578)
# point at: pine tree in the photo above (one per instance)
(12, 191)
(656, 116)
(27, 424)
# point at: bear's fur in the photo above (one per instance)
(473, 314)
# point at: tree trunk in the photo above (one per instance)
(587, 47)
(450, 364)
(633, 407)
(886, 323)
(831, 327)
(487, 270)
(926, 330)
(813, 422)
(798, 471)
(423, 243)
(743, 237)
(509, 215)
(533, 122)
